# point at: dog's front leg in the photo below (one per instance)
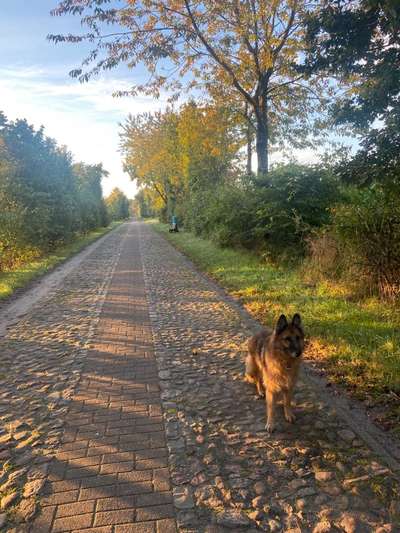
(270, 405)
(287, 406)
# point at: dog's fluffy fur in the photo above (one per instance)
(273, 363)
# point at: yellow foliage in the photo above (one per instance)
(165, 152)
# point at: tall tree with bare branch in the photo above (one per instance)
(253, 46)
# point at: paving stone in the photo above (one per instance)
(348, 523)
(72, 522)
(143, 527)
(155, 512)
(114, 517)
(167, 525)
(7, 500)
(322, 527)
(27, 509)
(324, 476)
(233, 519)
(347, 435)
(33, 487)
(72, 509)
(183, 498)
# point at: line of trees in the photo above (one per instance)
(45, 198)
(341, 228)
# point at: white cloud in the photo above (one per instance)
(84, 117)
(303, 156)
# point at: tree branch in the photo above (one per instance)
(290, 82)
(164, 197)
(216, 56)
(286, 33)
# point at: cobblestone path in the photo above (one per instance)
(88, 443)
(227, 472)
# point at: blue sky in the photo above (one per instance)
(34, 84)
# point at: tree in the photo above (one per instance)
(117, 205)
(174, 153)
(230, 101)
(150, 148)
(42, 182)
(358, 42)
(142, 205)
(252, 46)
(207, 145)
(93, 212)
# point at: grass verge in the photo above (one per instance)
(21, 276)
(356, 344)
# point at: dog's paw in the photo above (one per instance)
(269, 427)
(290, 417)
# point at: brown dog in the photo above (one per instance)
(273, 362)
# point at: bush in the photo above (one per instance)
(226, 215)
(293, 201)
(323, 257)
(367, 227)
(276, 215)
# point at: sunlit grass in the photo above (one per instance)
(356, 342)
(21, 276)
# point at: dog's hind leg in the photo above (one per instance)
(252, 374)
(260, 387)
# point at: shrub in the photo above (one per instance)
(323, 257)
(226, 215)
(293, 201)
(275, 215)
(367, 227)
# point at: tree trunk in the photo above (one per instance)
(249, 138)
(171, 200)
(262, 138)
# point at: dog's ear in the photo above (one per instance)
(281, 325)
(296, 321)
